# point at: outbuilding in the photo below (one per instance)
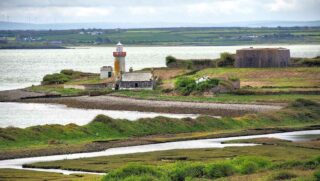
(262, 57)
(105, 72)
(136, 80)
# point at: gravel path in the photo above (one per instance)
(177, 107)
(131, 104)
(179, 104)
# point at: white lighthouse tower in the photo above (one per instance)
(119, 60)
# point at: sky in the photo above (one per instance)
(166, 11)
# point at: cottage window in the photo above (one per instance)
(136, 85)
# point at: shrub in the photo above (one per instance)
(283, 175)
(67, 71)
(170, 59)
(74, 74)
(55, 78)
(132, 171)
(316, 174)
(250, 164)
(303, 103)
(185, 85)
(233, 78)
(312, 164)
(289, 164)
(217, 170)
(181, 170)
(226, 59)
(206, 85)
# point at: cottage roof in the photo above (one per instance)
(136, 76)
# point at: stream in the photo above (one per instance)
(191, 144)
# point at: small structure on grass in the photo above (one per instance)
(136, 80)
(262, 57)
(106, 72)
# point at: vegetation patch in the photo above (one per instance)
(191, 170)
(299, 113)
(308, 62)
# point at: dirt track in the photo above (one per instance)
(122, 103)
(131, 104)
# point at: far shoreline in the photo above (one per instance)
(152, 45)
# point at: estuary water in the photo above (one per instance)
(21, 68)
(191, 144)
(31, 114)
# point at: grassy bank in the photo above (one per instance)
(220, 98)
(299, 113)
(266, 162)
(258, 85)
(27, 175)
(262, 77)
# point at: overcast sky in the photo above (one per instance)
(146, 11)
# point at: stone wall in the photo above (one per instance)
(136, 84)
(262, 57)
(195, 64)
(88, 86)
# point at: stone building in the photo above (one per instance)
(136, 80)
(262, 57)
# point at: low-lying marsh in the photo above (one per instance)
(265, 162)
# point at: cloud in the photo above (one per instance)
(222, 8)
(282, 5)
(191, 11)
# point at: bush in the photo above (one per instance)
(67, 71)
(181, 170)
(233, 78)
(316, 174)
(56, 78)
(170, 59)
(250, 164)
(226, 60)
(132, 171)
(217, 170)
(311, 62)
(303, 103)
(185, 85)
(312, 164)
(206, 85)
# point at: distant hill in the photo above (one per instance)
(112, 25)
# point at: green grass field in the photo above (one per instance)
(199, 36)
(27, 175)
(261, 85)
(179, 36)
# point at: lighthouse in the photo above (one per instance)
(119, 60)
